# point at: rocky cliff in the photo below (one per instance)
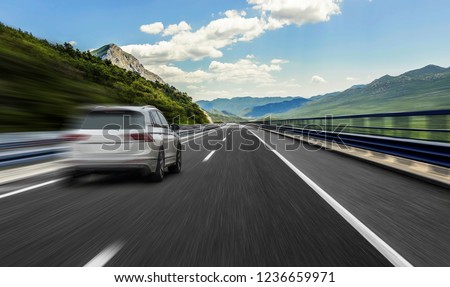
(125, 61)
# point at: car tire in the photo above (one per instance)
(158, 175)
(176, 168)
(70, 177)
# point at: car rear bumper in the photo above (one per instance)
(112, 164)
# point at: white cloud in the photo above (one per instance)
(286, 12)
(154, 28)
(177, 28)
(351, 79)
(291, 84)
(235, 13)
(73, 43)
(204, 42)
(250, 56)
(279, 61)
(174, 75)
(242, 71)
(318, 80)
(273, 24)
(233, 27)
(208, 94)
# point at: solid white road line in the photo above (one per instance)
(387, 251)
(29, 188)
(107, 254)
(209, 156)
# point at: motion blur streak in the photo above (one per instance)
(29, 188)
(376, 241)
(242, 208)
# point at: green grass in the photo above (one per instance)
(218, 117)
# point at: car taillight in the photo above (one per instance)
(75, 137)
(141, 137)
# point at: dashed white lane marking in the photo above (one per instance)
(107, 254)
(224, 139)
(387, 251)
(209, 156)
(30, 188)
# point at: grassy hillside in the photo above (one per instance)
(41, 85)
(423, 89)
(224, 117)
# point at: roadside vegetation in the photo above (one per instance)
(42, 84)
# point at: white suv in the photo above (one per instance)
(122, 138)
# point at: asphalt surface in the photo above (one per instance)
(241, 207)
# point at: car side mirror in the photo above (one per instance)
(175, 127)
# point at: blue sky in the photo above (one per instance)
(221, 48)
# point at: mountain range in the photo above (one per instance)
(276, 108)
(427, 88)
(241, 106)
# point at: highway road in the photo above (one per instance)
(248, 200)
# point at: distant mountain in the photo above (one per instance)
(275, 108)
(425, 71)
(240, 106)
(125, 61)
(427, 88)
(223, 117)
(315, 98)
(227, 113)
(357, 87)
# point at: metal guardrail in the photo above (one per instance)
(424, 151)
(27, 144)
(29, 156)
(26, 148)
(421, 125)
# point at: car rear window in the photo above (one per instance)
(113, 120)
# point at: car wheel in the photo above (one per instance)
(158, 175)
(70, 177)
(176, 168)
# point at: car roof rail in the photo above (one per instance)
(148, 107)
